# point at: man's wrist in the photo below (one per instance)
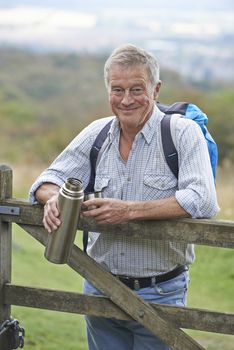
(132, 210)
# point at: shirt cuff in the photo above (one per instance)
(188, 200)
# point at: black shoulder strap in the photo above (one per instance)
(97, 145)
(175, 108)
(170, 152)
(95, 149)
(169, 148)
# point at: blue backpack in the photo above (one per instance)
(189, 111)
(186, 110)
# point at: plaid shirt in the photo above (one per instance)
(144, 177)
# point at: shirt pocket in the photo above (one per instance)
(102, 184)
(158, 186)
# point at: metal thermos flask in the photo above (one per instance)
(60, 242)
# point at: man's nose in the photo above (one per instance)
(127, 98)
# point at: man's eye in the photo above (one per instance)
(117, 91)
(137, 91)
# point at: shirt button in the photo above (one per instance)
(129, 178)
(122, 253)
(163, 185)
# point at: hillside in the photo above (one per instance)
(46, 99)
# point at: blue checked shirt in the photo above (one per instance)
(144, 177)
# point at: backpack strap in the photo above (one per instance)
(169, 149)
(93, 156)
(177, 107)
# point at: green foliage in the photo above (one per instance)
(222, 122)
(46, 99)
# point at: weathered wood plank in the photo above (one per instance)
(180, 317)
(217, 233)
(5, 251)
(125, 298)
(31, 214)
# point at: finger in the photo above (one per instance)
(51, 222)
(52, 207)
(93, 212)
(49, 225)
(52, 218)
(98, 202)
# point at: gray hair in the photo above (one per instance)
(129, 55)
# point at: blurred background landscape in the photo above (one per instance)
(51, 86)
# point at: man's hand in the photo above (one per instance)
(116, 211)
(47, 194)
(107, 211)
(51, 214)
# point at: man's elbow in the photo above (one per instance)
(209, 206)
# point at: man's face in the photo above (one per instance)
(131, 95)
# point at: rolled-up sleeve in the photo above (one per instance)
(196, 188)
(72, 162)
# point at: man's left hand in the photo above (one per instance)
(107, 210)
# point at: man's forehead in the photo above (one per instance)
(134, 68)
(134, 73)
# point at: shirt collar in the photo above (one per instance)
(150, 127)
(114, 129)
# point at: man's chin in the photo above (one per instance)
(127, 112)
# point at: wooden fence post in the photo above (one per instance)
(5, 251)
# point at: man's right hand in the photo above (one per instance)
(51, 214)
(47, 194)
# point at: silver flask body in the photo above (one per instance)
(60, 242)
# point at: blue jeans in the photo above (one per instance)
(111, 334)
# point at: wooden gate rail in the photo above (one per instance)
(124, 302)
(49, 299)
(217, 233)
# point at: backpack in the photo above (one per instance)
(181, 109)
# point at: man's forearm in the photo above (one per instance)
(45, 192)
(166, 208)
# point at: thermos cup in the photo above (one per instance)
(60, 242)
(92, 195)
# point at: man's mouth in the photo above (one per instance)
(128, 108)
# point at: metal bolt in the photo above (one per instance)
(141, 313)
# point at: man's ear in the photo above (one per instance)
(156, 90)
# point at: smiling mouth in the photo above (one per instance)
(128, 109)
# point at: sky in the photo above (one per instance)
(30, 17)
(171, 5)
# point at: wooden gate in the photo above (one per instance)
(119, 301)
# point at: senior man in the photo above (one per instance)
(136, 184)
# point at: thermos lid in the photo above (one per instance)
(73, 184)
(72, 188)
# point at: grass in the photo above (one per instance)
(211, 287)
(45, 330)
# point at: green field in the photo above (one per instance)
(45, 330)
(211, 287)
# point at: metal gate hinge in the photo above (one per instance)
(8, 210)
